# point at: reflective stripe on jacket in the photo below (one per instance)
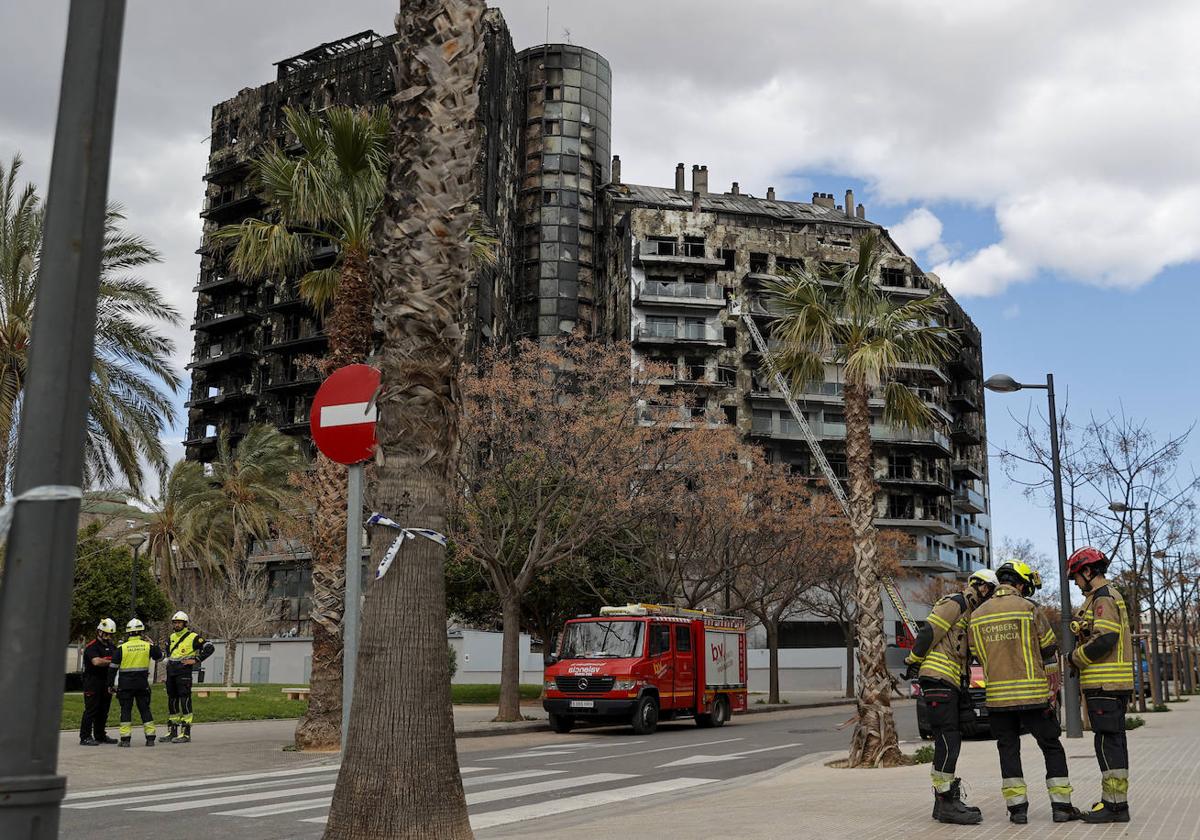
(130, 668)
(187, 644)
(1016, 647)
(946, 657)
(1104, 648)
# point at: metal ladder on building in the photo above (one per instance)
(835, 485)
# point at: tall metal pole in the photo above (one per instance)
(35, 599)
(133, 584)
(1187, 643)
(1066, 637)
(354, 504)
(1157, 683)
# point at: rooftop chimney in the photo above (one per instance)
(696, 201)
(736, 189)
(823, 200)
(770, 193)
(700, 179)
(616, 170)
(861, 212)
(679, 178)
(849, 205)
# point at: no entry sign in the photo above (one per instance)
(343, 416)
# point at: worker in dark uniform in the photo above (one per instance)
(97, 656)
(129, 673)
(1103, 656)
(1019, 654)
(939, 659)
(185, 649)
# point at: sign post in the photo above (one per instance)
(343, 428)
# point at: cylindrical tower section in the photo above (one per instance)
(565, 151)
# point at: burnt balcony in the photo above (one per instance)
(926, 518)
(211, 280)
(661, 252)
(219, 355)
(227, 316)
(970, 468)
(937, 556)
(966, 431)
(915, 474)
(967, 360)
(966, 396)
(288, 378)
(222, 392)
(229, 201)
(891, 434)
(699, 295)
(657, 333)
(970, 535)
(286, 298)
(297, 339)
(967, 500)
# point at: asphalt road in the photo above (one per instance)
(535, 783)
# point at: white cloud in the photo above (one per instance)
(988, 271)
(919, 234)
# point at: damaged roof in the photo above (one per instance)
(791, 211)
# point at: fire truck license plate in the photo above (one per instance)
(583, 704)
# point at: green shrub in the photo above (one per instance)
(453, 661)
(923, 755)
(1134, 721)
(1161, 707)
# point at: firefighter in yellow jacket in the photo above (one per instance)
(1103, 656)
(1019, 654)
(185, 649)
(939, 660)
(129, 674)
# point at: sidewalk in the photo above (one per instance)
(811, 800)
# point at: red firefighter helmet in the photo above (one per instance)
(1085, 557)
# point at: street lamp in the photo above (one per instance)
(1004, 384)
(1187, 649)
(135, 541)
(1156, 693)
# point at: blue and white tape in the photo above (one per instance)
(405, 534)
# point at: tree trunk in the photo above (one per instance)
(510, 660)
(321, 726)
(230, 660)
(849, 634)
(399, 777)
(772, 628)
(6, 430)
(874, 740)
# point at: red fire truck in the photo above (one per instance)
(643, 663)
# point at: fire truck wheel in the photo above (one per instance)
(645, 716)
(717, 717)
(561, 723)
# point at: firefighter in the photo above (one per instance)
(1019, 654)
(96, 700)
(185, 648)
(939, 660)
(1103, 656)
(130, 674)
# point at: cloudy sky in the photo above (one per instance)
(1040, 157)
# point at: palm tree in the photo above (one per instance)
(855, 325)
(132, 378)
(174, 534)
(399, 775)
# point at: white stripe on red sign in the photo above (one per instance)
(350, 414)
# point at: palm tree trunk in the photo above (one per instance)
(848, 633)
(875, 738)
(349, 329)
(510, 659)
(399, 776)
(6, 430)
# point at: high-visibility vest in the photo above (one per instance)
(1104, 611)
(184, 645)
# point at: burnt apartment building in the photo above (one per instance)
(683, 263)
(669, 269)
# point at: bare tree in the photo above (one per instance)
(232, 605)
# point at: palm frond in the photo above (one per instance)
(903, 408)
(318, 287)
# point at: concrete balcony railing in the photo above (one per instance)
(892, 434)
(936, 557)
(970, 535)
(932, 519)
(681, 294)
(651, 333)
(967, 500)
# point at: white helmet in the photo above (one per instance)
(107, 625)
(984, 576)
(180, 616)
(134, 626)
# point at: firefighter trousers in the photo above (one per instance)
(941, 700)
(179, 695)
(1106, 711)
(96, 703)
(1042, 724)
(140, 696)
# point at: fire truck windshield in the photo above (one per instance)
(602, 640)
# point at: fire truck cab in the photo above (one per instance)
(642, 663)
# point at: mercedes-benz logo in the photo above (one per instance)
(583, 683)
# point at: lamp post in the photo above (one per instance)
(1003, 384)
(1156, 692)
(135, 541)
(1183, 619)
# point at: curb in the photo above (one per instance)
(512, 728)
(784, 707)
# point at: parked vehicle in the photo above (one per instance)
(643, 663)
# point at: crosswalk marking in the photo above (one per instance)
(229, 800)
(483, 796)
(583, 800)
(642, 752)
(188, 791)
(278, 808)
(475, 781)
(212, 780)
(563, 749)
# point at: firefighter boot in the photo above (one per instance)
(956, 789)
(951, 810)
(186, 736)
(172, 732)
(149, 740)
(124, 742)
(1107, 812)
(1018, 814)
(1064, 812)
